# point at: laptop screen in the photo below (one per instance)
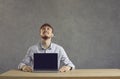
(45, 61)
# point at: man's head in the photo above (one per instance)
(46, 31)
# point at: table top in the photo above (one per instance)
(73, 73)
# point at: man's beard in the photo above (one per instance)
(45, 37)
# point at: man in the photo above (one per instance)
(46, 46)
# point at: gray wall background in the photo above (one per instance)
(89, 30)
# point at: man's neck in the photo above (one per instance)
(46, 43)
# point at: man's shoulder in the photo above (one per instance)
(34, 46)
(56, 45)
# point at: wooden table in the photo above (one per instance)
(74, 74)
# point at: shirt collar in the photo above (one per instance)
(42, 48)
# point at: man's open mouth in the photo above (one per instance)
(45, 32)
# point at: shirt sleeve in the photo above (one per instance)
(66, 61)
(27, 59)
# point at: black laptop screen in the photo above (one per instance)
(45, 61)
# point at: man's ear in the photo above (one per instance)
(52, 35)
(40, 33)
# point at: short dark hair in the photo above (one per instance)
(46, 24)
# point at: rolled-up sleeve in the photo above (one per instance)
(66, 61)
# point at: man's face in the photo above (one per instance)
(46, 32)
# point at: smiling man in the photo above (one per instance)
(46, 33)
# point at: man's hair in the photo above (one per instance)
(46, 24)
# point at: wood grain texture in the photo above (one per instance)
(74, 74)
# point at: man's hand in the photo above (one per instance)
(65, 69)
(26, 68)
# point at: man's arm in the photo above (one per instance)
(68, 65)
(25, 64)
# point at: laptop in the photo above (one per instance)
(45, 62)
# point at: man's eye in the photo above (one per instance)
(47, 28)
